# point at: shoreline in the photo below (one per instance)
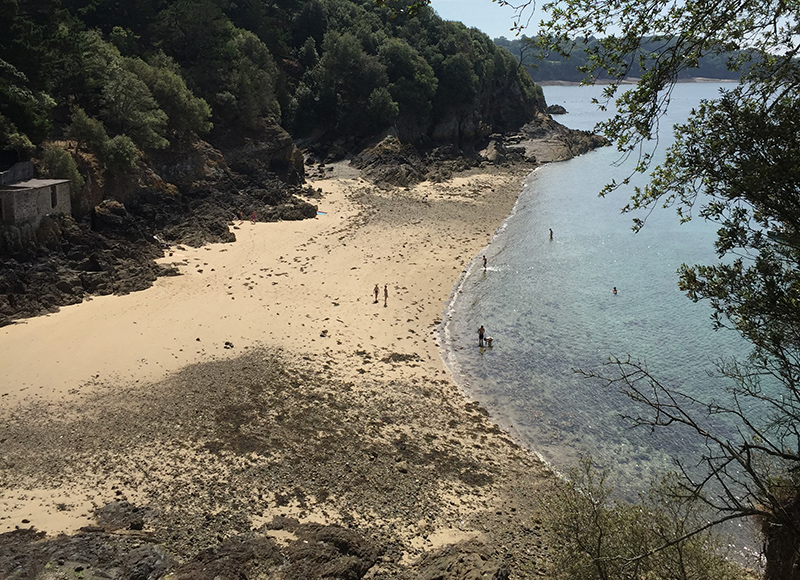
(632, 81)
(146, 384)
(447, 354)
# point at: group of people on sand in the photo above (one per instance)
(253, 217)
(377, 290)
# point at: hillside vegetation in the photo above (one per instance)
(126, 80)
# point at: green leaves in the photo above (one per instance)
(595, 537)
(129, 107)
(412, 81)
(59, 164)
(27, 110)
(185, 112)
(86, 131)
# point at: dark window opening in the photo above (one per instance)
(53, 195)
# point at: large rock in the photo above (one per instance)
(466, 560)
(184, 163)
(556, 110)
(270, 148)
(391, 162)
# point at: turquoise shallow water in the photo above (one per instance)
(549, 306)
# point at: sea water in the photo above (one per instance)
(548, 304)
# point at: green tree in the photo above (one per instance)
(13, 141)
(29, 109)
(458, 83)
(336, 92)
(195, 33)
(185, 112)
(307, 54)
(230, 68)
(129, 107)
(59, 164)
(86, 131)
(252, 79)
(412, 81)
(381, 110)
(120, 154)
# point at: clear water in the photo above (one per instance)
(549, 306)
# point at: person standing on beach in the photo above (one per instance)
(385, 294)
(481, 333)
(375, 291)
(254, 217)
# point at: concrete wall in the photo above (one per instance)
(19, 172)
(30, 201)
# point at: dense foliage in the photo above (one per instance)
(112, 75)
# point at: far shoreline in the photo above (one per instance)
(631, 81)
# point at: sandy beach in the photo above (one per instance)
(265, 389)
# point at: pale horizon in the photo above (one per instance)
(489, 17)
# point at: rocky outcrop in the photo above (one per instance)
(542, 140)
(555, 110)
(503, 149)
(186, 163)
(547, 140)
(77, 262)
(188, 194)
(462, 128)
(317, 551)
(391, 162)
(268, 149)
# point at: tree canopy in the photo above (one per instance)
(171, 68)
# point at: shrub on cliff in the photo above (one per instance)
(595, 537)
(86, 131)
(59, 164)
(120, 153)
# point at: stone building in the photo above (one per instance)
(25, 200)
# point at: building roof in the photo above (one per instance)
(32, 184)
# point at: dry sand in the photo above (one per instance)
(141, 396)
(305, 286)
